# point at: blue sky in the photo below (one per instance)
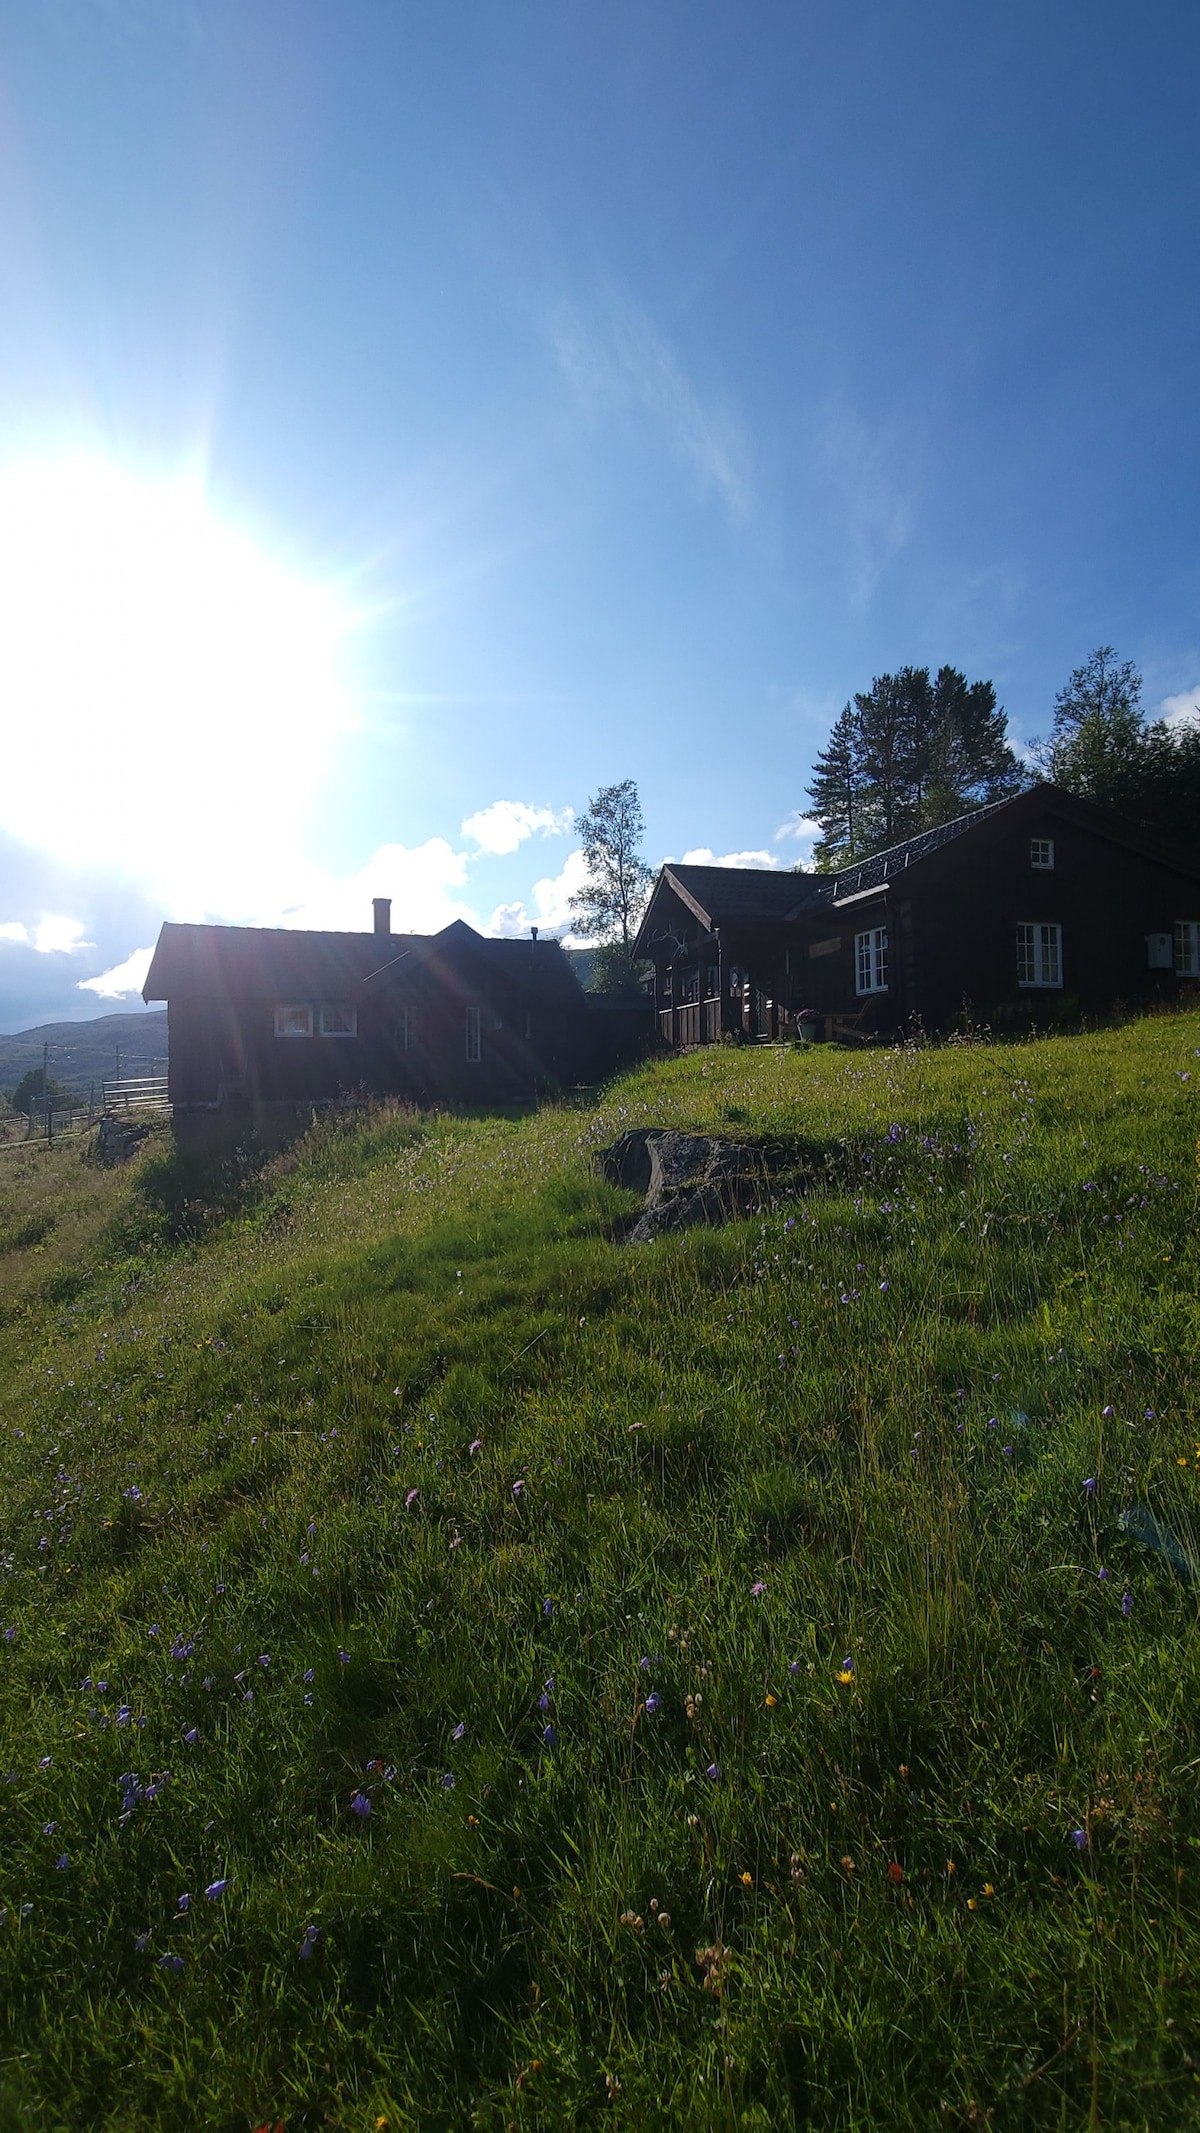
(413, 418)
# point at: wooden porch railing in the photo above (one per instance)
(691, 1022)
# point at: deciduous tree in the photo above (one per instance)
(1096, 744)
(33, 1089)
(610, 904)
(1101, 747)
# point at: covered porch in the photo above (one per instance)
(728, 959)
(698, 1001)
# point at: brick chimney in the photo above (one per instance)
(382, 906)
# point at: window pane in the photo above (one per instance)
(293, 1022)
(1025, 970)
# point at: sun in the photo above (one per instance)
(171, 695)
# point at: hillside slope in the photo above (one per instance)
(86, 1052)
(457, 1670)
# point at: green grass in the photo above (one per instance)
(811, 1522)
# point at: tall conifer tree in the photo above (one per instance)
(906, 755)
(836, 794)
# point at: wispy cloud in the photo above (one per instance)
(871, 475)
(616, 359)
(505, 824)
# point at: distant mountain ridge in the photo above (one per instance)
(83, 1052)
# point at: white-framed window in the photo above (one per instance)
(1041, 852)
(1039, 953)
(871, 960)
(338, 1020)
(1187, 947)
(293, 1021)
(472, 1036)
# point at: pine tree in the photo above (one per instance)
(836, 794)
(906, 755)
(893, 730)
(968, 759)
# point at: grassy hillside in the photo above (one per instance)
(456, 1671)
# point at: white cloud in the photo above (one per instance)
(506, 824)
(1182, 710)
(702, 857)
(418, 878)
(54, 934)
(123, 979)
(805, 833)
(615, 357)
(551, 910)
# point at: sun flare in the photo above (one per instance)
(171, 695)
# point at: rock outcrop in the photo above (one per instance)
(116, 1140)
(687, 1178)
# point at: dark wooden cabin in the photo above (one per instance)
(1039, 901)
(268, 1015)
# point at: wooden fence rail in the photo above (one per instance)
(147, 1093)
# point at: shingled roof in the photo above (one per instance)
(293, 963)
(722, 895)
(882, 867)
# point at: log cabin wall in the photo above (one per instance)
(1039, 905)
(271, 1016)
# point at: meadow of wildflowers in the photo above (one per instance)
(456, 1670)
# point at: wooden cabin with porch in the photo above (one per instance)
(723, 941)
(1033, 903)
